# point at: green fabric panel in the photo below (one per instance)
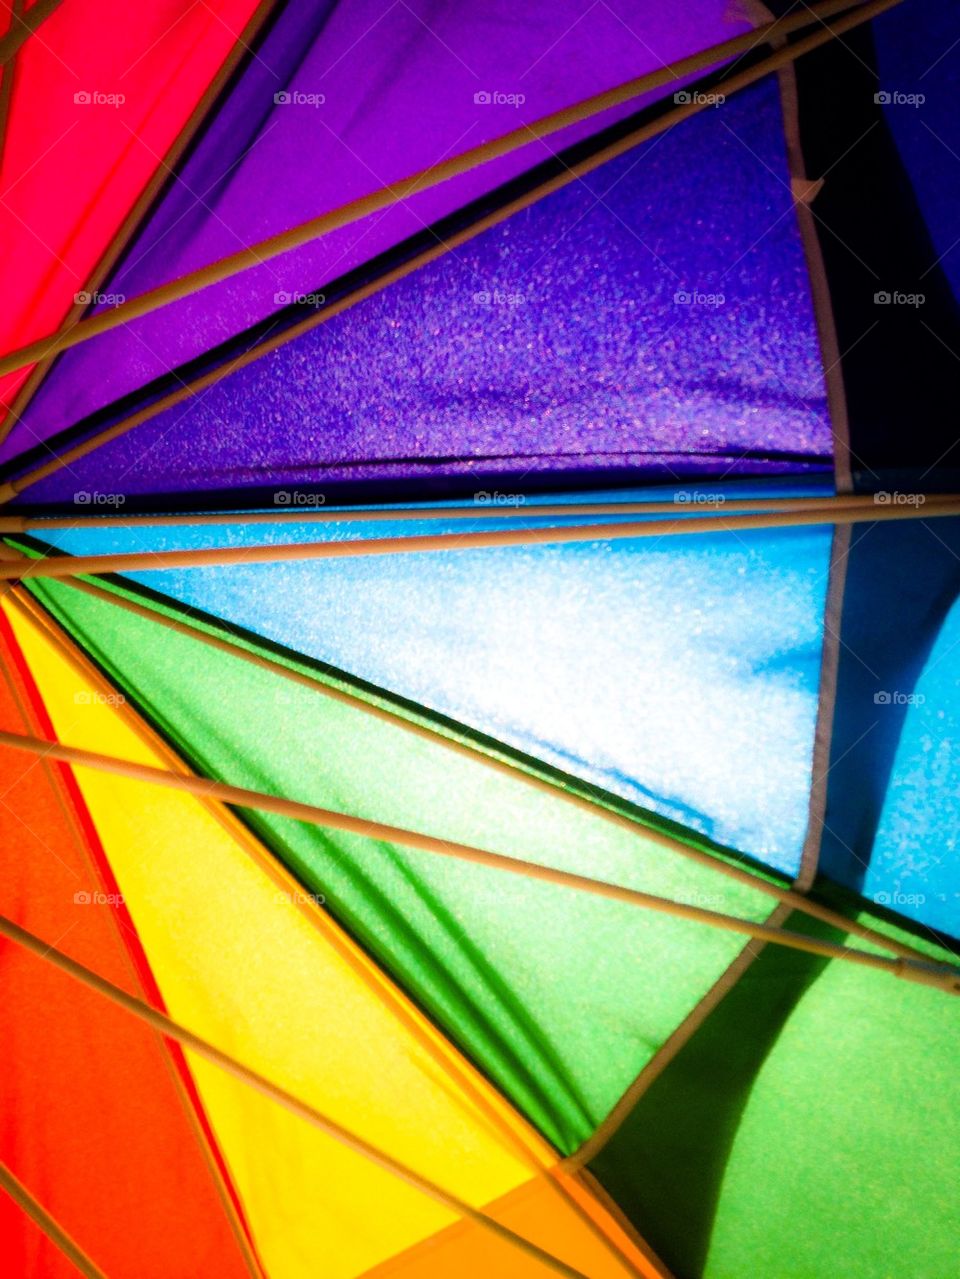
(809, 1129)
(560, 997)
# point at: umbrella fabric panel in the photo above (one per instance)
(98, 1123)
(99, 94)
(920, 83)
(369, 94)
(595, 333)
(915, 866)
(253, 967)
(559, 996)
(786, 1124)
(29, 1247)
(891, 827)
(681, 674)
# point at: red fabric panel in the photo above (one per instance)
(38, 1258)
(95, 1114)
(72, 169)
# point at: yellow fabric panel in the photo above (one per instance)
(265, 979)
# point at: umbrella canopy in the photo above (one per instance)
(479, 574)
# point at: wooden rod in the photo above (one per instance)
(230, 1065)
(796, 900)
(937, 975)
(58, 566)
(481, 510)
(22, 28)
(24, 1200)
(405, 188)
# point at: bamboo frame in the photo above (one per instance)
(794, 898)
(296, 237)
(165, 1025)
(939, 976)
(63, 566)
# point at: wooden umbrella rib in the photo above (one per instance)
(24, 1200)
(322, 514)
(64, 566)
(232, 1066)
(23, 27)
(937, 975)
(794, 899)
(255, 255)
(7, 74)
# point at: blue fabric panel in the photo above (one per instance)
(681, 673)
(894, 783)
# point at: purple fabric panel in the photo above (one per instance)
(654, 318)
(399, 82)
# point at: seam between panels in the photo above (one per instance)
(826, 706)
(137, 962)
(586, 1178)
(805, 191)
(671, 1047)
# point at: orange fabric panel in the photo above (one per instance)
(468, 1252)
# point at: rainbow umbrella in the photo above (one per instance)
(479, 573)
